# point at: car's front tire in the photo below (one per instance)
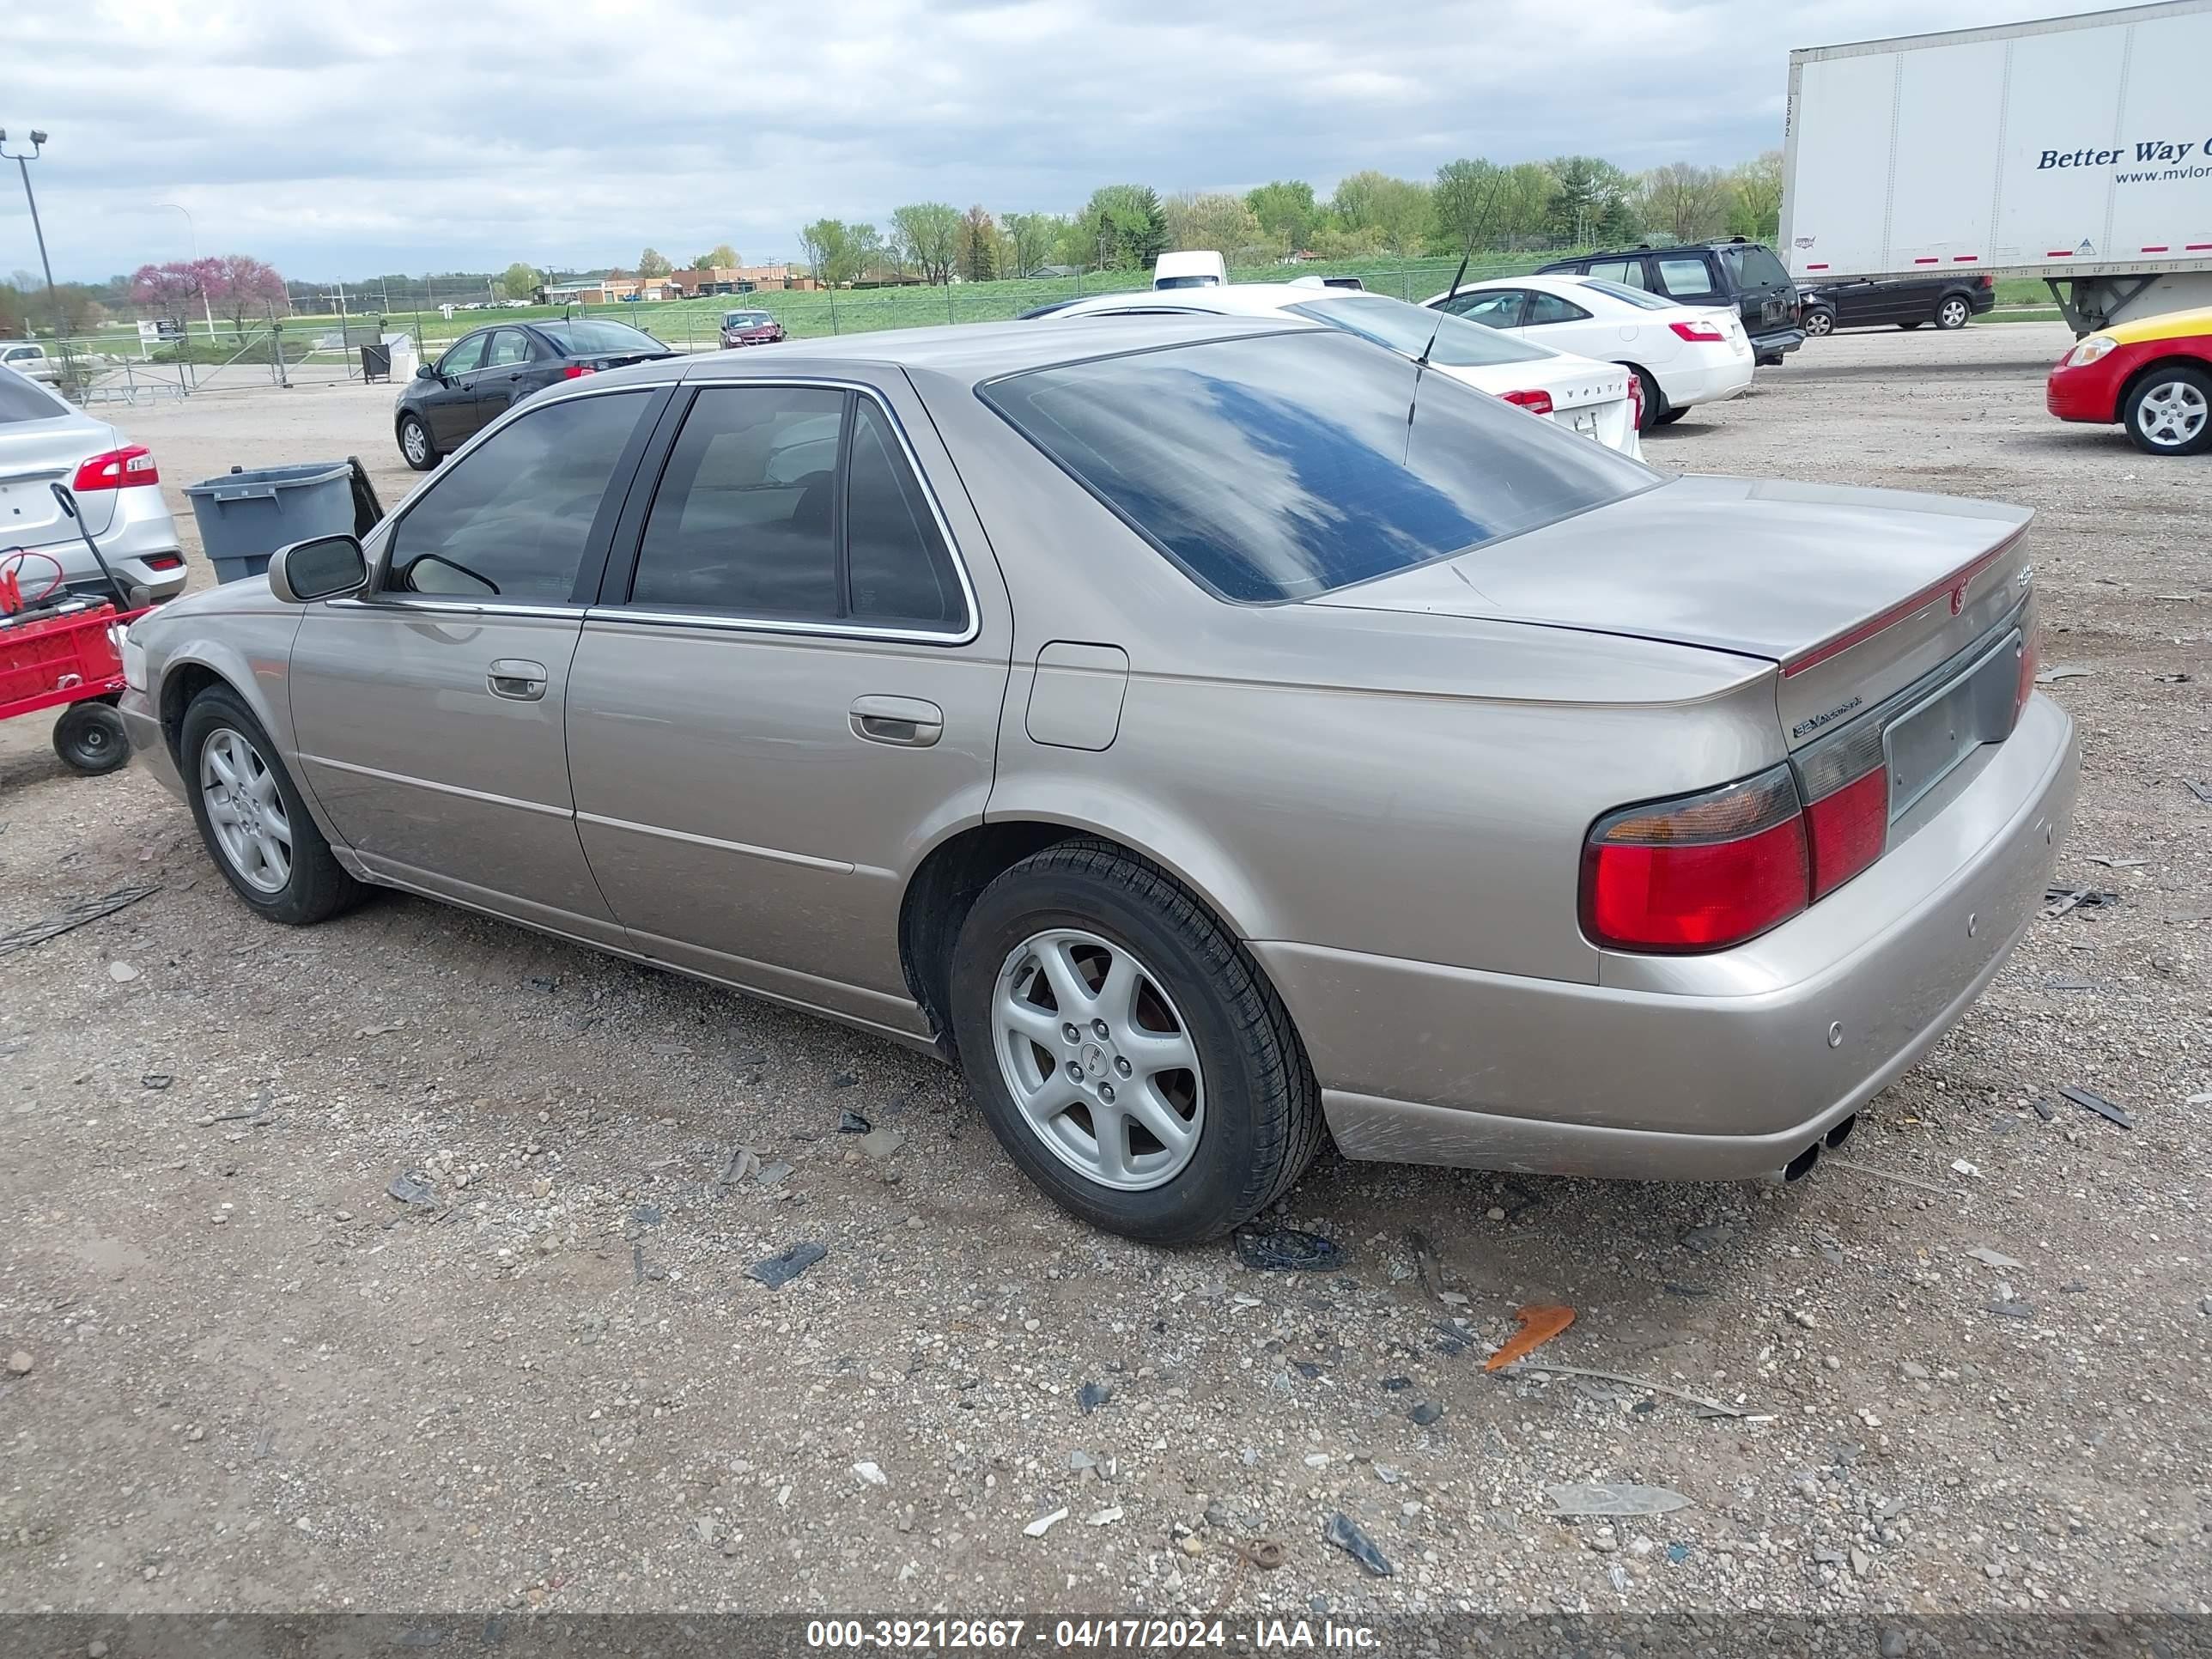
(416, 447)
(251, 816)
(1953, 312)
(1126, 1049)
(2169, 411)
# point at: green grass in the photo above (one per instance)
(696, 324)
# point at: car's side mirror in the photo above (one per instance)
(321, 568)
(424, 371)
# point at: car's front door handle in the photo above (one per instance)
(907, 722)
(517, 679)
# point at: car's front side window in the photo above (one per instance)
(508, 522)
(466, 353)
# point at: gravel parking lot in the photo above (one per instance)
(1976, 1353)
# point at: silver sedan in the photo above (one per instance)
(1207, 732)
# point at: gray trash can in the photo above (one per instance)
(243, 516)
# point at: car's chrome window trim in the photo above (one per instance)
(834, 627)
(394, 601)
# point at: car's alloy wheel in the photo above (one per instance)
(1125, 1048)
(245, 811)
(1818, 323)
(1098, 1060)
(1952, 313)
(254, 821)
(415, 445)
(2171, 413)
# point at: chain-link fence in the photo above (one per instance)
(126, 363)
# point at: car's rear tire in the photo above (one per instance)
(1953, 312)
(257, 828)
(416, 447)
(90, 738)
(1655, 406)
(2169, 410)
(1818, 321)
(1174, 1030)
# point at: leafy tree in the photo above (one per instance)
(1395, 211)
(1217, 220)
(175, 288)
(1286, 211)
(1121, 225)
(979, 246)
(1594, 203)
(654, 262)
(931, 232)
(723, 258)
(242, 285)
(520, 280)
(1337, 241)
(1683, 202)
(827, 245)
(1754, 197)
(1525, 199)
(1031, 239)
(865, 251)
(1468, 202)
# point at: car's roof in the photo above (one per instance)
(975, 352)
(1228, 299)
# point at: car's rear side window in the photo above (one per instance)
(20, 400)
(1283, 467)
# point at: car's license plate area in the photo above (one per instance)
(1585, 421)
(1926, 742)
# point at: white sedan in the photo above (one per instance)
(1595, 398)
(1680, 354)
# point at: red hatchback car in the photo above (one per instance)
(2154, 377)
(744, 328)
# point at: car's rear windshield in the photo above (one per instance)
(1407, 330)
(22, 400)
(1283, 467)
(594, 337)
(1635, 296)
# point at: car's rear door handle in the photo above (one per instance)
(907, 722)
(518, 679)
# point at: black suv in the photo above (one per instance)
(1744, 274)
(1949, 300)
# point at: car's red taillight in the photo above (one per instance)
(1536, 402)
(1636, 402)
(165, 562)
(1709, 333)
(1701, 872)
(1847, 828)
(577, 370)
(116, 469)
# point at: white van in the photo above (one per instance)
(1191, 270)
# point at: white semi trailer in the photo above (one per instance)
(2076, 150)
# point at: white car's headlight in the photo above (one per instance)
(2096, 346)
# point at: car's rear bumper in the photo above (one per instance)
(142, 528)
(1768, 348)
(1714, 1067)
(1709, 382)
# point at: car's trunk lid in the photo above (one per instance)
(1856, 593)
(35, 455)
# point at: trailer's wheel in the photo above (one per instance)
(90, 738)
(2169, 411)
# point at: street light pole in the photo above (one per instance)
(22, 160)
(193, 229)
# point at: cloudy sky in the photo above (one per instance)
(344, 141)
